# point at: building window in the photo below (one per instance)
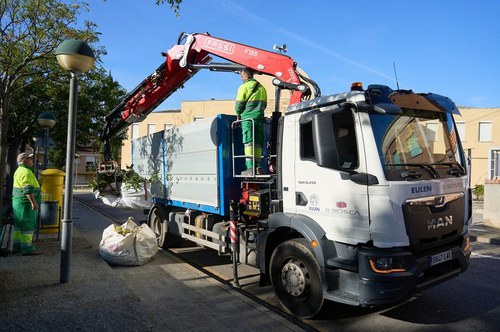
(151, 128)
(494, 163)
(197, 117)
(135, 130)
(461, 129)
(485, 131)
(431, 132)
(90, 163)
(167, 126)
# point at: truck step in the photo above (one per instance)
(342, 263)
(343, 297)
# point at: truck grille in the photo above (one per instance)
(434, 220)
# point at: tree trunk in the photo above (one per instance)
(3, 159)
(4, 125)
(13, 151)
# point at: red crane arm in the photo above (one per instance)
(281, 66)
(183, 61)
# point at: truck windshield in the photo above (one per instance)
(417, 144)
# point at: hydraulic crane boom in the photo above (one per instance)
(185, 59)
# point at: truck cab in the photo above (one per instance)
(376, 183)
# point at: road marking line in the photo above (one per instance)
(478, 255)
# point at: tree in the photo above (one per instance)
(30, 31)
(175, 5)
(31, 81)
(98, 94)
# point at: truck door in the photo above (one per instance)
(329, 151)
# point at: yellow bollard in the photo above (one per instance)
(52, 192)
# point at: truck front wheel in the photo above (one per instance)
(296, 278)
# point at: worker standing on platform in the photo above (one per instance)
(251, 101)
(26, 197)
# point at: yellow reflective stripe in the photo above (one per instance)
(249, 150)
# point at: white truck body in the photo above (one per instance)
(359, 188)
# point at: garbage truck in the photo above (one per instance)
(365, 197)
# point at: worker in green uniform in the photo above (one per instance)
(26, 198)
(251, 101)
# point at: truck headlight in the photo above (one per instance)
(466, 246)
(386, 265)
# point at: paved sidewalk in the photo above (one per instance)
(480, 232)
(164, 295)
(485, 234)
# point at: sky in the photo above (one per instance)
(448, 47)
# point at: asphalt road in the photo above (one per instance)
(470, 302)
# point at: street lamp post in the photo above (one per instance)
(35, 157)
(76, 57)
(46, 120)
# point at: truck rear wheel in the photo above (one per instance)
(296, 278)
(157, 221)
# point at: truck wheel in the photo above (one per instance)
(296, 278)
(157, 221)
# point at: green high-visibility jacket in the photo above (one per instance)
(25, 182)
(251, 101)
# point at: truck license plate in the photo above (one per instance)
(440, 258)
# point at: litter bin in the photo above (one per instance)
(48, 214)
(52, 191)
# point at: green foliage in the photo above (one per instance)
(99, 94)
(103, 182)
(57, 158)
(30, 31)
(129, 178)
(478, 191)
(122, 230)
(155, 178)
(174, 5)
(32, 82)
(133, 180)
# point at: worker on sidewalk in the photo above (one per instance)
(26, 197)
(251, 101)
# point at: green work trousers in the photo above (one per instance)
(24, 225)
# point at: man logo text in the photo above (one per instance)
(439, 222)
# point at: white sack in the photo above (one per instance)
(136, 199)
(128, 244)
(108, 199)
(129, 198)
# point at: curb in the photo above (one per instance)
(484, 234)
(485, 239)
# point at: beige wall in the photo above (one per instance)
(480, 151)
(84, 168)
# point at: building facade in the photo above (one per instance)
(85, 163)
(481, 141)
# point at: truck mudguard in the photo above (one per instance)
(303, 225)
